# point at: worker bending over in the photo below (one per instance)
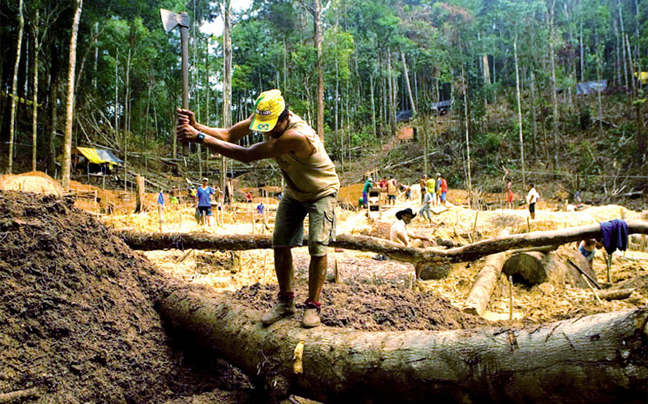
(311, 189)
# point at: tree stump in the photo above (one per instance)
(139, 205)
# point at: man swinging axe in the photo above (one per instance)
(311, 189)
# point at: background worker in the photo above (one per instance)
(392, 190)
(509, 194)
(431, 186)
(407, 190)
(427, 204)
(588, 249)
(365, 191)
(383, 184)
(400, 234)
(443, 190)
(531, 198)
(311, 189)
(423, 185)
(203, 202)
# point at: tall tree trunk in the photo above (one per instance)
(285, 65)
(632, 71)
(598, 88)
(35, 95)
(126, 116)
(637, 37)
(534, 118)
(54, 83)
(347, 127)
(227, 81)
(317, 14)
(625, 67)
(426, 141)
(619, 62)
(467, 118)
(519, 102)
(337, 96)
(69, 119)
(486, 70)
(392, 96)
(117, 102)
(96, 61)
(642, 134)
(382, 92)
(554, 90)
(14, 87)
(407, 81)
(582, 52)
(373, 105)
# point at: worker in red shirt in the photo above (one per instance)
(444, 189)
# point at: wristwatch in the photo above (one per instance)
(200, 137)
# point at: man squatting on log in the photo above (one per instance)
(311, 189)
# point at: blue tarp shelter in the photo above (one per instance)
(591, 87)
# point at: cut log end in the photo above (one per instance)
(527, 267)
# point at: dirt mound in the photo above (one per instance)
(77, 319)
(34, 181)
(372, 308)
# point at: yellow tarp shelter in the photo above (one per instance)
(98, 156)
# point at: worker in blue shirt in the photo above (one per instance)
(203, 202)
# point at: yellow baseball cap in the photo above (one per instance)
(268, 107)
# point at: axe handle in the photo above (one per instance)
(184, 45)
(184, 39)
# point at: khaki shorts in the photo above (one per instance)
(289, 224)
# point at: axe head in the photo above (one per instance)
(170, 20)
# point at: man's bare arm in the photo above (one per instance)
(400, 238)
(418, 236)
(232, 134)
(274, 147)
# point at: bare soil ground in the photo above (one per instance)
(77, 307)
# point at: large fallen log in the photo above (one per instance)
(487, 278)
(484, 286)
(534, 268)
(594, 359)
(471, 252)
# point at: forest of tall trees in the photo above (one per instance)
(522, 58)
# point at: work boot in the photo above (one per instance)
(311, 314)
(283, 308)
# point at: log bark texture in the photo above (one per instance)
(594, 359)
(617, 294)
(486, 281)
(472, 252)
(484, 286)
